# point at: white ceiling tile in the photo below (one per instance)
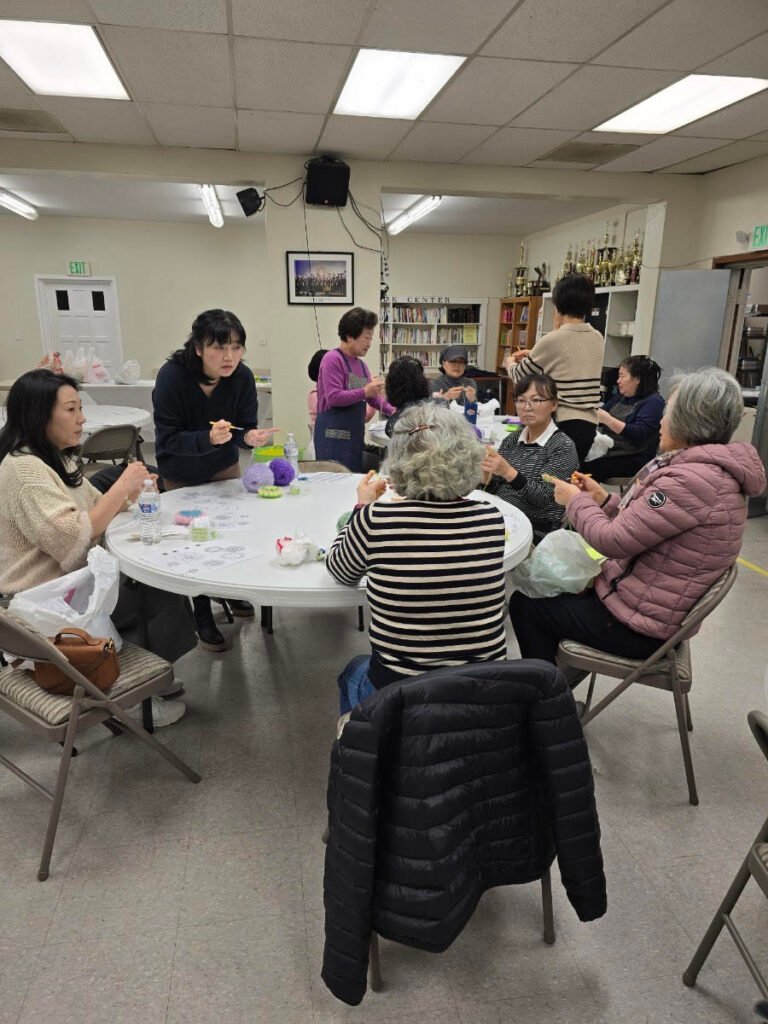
(13, 92)
(735, 153)
(490, 90)
(591, 96)
(661, 153)
(687, 33)
(748, 59)
(433, 26)
(204, 127)
(762, 137)
(111, 121)
(566, 29)
(75, 11)
(180, 15)
(322, 21)
(738, 121)
(263, 132)
(515, 147)
(301, 77)
(172, 67)
(440, 143)
(367, 138)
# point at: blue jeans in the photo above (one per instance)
(354, 684)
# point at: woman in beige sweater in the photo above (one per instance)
(51, 516)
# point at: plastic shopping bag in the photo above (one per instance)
(563, 563)
(129, 373)
(76, 363)
(84, 598)
(600, 447)
(96, 372)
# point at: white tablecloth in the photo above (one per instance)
(375, 432)
(259, 578)
(99, 416)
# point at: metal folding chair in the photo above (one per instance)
(110, 446)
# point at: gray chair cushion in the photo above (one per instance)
(581, 656)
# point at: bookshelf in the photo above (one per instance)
(518, 319)
(424, 327)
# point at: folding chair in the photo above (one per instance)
(669, 668)
(58, 719)
(110, 445)
(755, 864)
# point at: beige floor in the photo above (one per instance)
(196, 904)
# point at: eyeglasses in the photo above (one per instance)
(531, 403)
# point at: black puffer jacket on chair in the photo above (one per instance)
(443, 787)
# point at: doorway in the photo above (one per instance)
(75, 313)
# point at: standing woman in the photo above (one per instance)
(344, 385)
(202, 392)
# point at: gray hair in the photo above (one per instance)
(706, 406)
(439, 462)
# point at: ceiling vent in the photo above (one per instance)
(29, 121)
(589, 152)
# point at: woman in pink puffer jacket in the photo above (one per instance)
(676, 530)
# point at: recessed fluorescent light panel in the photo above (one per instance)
(685, 101)
(390, 83)
(16, 205)
(60, 60)
(212, 205)
(415, 212)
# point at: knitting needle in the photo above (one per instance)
(230, 425)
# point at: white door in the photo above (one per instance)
(78, 313)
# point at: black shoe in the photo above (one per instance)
(241, 609)
(208, 635)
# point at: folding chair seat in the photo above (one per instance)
(108, 447)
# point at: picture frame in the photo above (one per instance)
(320, 278)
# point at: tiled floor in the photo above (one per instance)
(169, 902)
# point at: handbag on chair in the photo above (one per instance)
(95, 657)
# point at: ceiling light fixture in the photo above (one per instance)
(212, 205)
(60, 60)
(419, 209)
(391, 83)
(688, 100)
(16, 205)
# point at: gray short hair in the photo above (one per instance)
(707, 406)
(436, 464)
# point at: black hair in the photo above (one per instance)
(213, 327)
(355, 321)
(644, 369)
(574, 295)
(405, 382)
(313, 369)
(544, 384)
(29, 408)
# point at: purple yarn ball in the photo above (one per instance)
(479, 432)
(283, 471)
(257, 475)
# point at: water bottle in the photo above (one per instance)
(291, 451)
(149, 513)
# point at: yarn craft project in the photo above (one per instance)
(283, 471)
(257, 475)
(270, 492)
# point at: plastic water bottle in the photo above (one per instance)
(149, 513)
(291, 451)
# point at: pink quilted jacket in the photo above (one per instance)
(679, 532)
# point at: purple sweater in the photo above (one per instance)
(332, 388)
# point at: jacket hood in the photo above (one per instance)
(739, 459)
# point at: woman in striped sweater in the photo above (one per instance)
(434, 559)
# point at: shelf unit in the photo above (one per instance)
(612, 307)
(424, 327)
(517, 327)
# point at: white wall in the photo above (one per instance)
(451, 265)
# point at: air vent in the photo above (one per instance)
(589, 152)
(29, 121)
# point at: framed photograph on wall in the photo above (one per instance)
(320, 278)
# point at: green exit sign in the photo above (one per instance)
(79, 268)
(759, 238)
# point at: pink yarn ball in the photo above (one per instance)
(283, 471)
(257, 475)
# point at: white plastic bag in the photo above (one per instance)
(84, 598)
(563, 563)
(129, 373)
(75, 364)
(486, 411)
(600, 447)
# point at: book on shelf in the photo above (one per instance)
(470, 334)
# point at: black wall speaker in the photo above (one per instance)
(251, 201)
(327, 181)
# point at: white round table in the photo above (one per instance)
(99, 416)
(375, 431)
(260, 521)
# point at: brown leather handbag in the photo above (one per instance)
(95, 657)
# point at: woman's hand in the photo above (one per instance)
(471, 394)
(495, 465)
(606, 420)
(131, 480)
(520, 355)
(453, 394)
(587, 485)
(256, 438)
(565, 492)
(370, 488)
(220, 432)
(374, 388)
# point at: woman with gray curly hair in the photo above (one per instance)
(433, 557)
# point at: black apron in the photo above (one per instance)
(340, 430)
(621, 446)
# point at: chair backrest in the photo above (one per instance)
(758, 723)
(323, 466)
(110, 443)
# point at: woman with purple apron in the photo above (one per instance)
(344, 386)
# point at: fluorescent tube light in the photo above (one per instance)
(16, 205)
(60, 60)
(212, 205)
(419, 209)
(688, 100)
(391, 83)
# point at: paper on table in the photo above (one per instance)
(196, 559)
(329, 478)
(514, 520)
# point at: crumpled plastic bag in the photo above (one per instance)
(84, 599)
(600, 447)
(96, 372)
(76, 363)
(129, 372)
(295, 550)
(51, 361)
(562, 563)
(487, 410)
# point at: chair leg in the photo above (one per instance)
(227, 610)
(688, 719)
(374, 965)
(146, 737)
(146, 715)
(546, 906)
(61, 783)
(266, 618)
(590, 691)
(361, 619)
(682, 728)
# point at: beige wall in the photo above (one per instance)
(469, 266)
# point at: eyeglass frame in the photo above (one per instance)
(532, 403)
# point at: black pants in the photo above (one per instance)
(541, 623)
(617, 465)
(170, 624)
(582, 434)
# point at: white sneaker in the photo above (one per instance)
(164, 712)
(174, 689)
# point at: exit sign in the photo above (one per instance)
(759, 238)
(79, 268)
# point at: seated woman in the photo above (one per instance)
(50, 516)
(405, 385)
(514, 471)
(453, 385)
(672, 535)
(632, 418)
(434, 559)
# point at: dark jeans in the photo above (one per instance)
(618, 465)
(171, 626)
(104, 479)
(541, 623)
(582, 434)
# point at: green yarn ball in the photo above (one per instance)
(342, 521)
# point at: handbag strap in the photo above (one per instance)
(81, 635)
